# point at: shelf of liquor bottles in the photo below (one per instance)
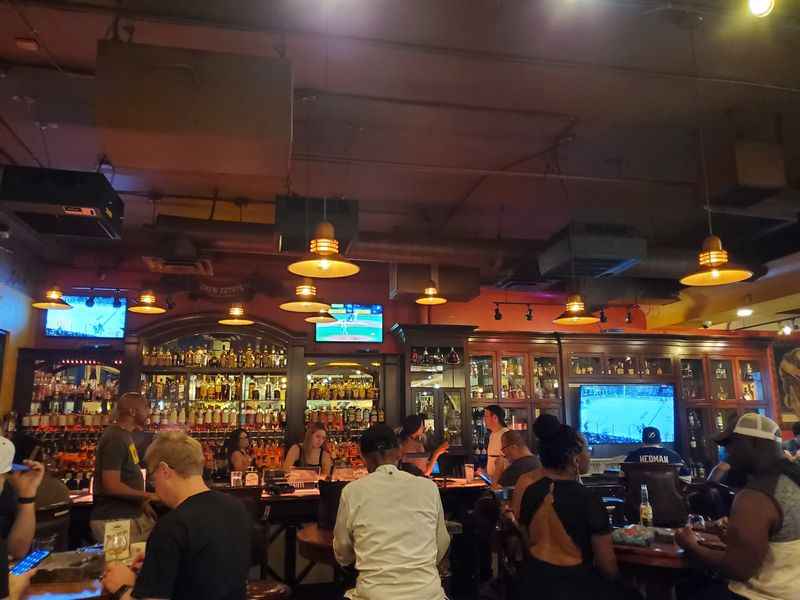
(620, 366)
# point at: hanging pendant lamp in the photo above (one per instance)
(323, 260)
(715, 269)
(431, 295)
(52, 301)
(307, 301)
(323, 316)
(146, 305)
(575, 313)
(235, 316)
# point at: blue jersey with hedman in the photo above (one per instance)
(659, 455)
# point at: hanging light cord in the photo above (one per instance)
(700, 137)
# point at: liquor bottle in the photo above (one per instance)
(692, 423)
(748, 374)
(692, 441)
(249, 358)
(414, 356)
(240, 359)
(426, 358)
(645, 509)
(701, 471)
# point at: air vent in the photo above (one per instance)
(200, 267)
(591, 251)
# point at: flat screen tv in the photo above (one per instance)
(354, 323)
(617, 413)
(99, 321)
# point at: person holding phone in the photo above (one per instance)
(412, 449)
(25, 480)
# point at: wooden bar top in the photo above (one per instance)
(65, 591)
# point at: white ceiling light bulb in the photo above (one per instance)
(760, 8)
(786, 330)
(744, 312)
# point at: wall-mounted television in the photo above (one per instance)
(617, 413)
(102, 320)
(361, 323)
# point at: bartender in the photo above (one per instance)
(413, 456)
(494, 418)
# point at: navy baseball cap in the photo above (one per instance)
(651, 435)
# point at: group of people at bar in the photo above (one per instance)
(391, 523)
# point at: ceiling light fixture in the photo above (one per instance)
(497, 314)
(744, 312)
(603, 316)
(628, 316)
(431, 296)
(146, 305)
(323, 260)
(322, 316)
(235, 316)
(760, 8)
(575, 313)
(307, 301)
(52, 301)
(786, 329)
(117, 301)
(529, 314)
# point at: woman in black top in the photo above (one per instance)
(312, 452)
(571, 554)
(236, 450)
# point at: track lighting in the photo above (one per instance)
(628, 316)
(90, 301)
(497, 314)
(529, 314)
(603, 316)
(117, 301)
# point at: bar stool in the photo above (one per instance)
(268, 590)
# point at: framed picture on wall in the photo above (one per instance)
(787, 367)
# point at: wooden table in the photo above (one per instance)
(65, 591)
(316, 544)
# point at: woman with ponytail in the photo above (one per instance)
(570, 552)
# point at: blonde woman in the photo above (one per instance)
(311, 453)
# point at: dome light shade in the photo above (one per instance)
(324, 260)
(714, 267)
(575, 313)
(322, 316)
(52, 301)
(235, 316)
(431, 295)
(760, 8)
(146, 305)
(307, 302)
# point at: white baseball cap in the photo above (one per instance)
(751, 425)
(7, 451)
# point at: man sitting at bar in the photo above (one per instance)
(198, 551)
(654, 452)
(118, 483)
(521, 460)
(391, 525)
(762, 558)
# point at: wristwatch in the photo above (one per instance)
(121, 591)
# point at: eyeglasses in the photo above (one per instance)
(152, 472)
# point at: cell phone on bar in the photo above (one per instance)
(19, 467)
(29, 562)
(486, 478)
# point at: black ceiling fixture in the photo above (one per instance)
(497, 314)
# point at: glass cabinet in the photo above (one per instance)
(585, 366)
(622, 366)
(481, 377)
(721, 375)
(693, 385)
(751, 381)
(513, 380)
(545, 378)
(655, 367)
(442, 410)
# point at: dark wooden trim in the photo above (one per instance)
(169, 328)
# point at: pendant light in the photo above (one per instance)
(714, 267)
(430, 294)
(307, 301)
(52, 301)
(235, 316)
(323, 316)
(575, 313)
(146, 304)
(323, 260)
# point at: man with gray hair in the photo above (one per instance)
(200, 550)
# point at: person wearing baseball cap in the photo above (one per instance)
(653, 452)
(762, 557)
(24, 479)
(391, 525)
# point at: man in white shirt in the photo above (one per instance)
(495, 420)
(391, 525)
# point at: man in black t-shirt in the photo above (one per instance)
(198, 551)
(119, 491)
(654, 452)
(521, 460)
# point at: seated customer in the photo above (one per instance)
(520, 459)
(200, 550)
(792, 446)
(312, 452)
(391, 525)
(654, 452)
(411, 447)
(569, 540)
(762, 558)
